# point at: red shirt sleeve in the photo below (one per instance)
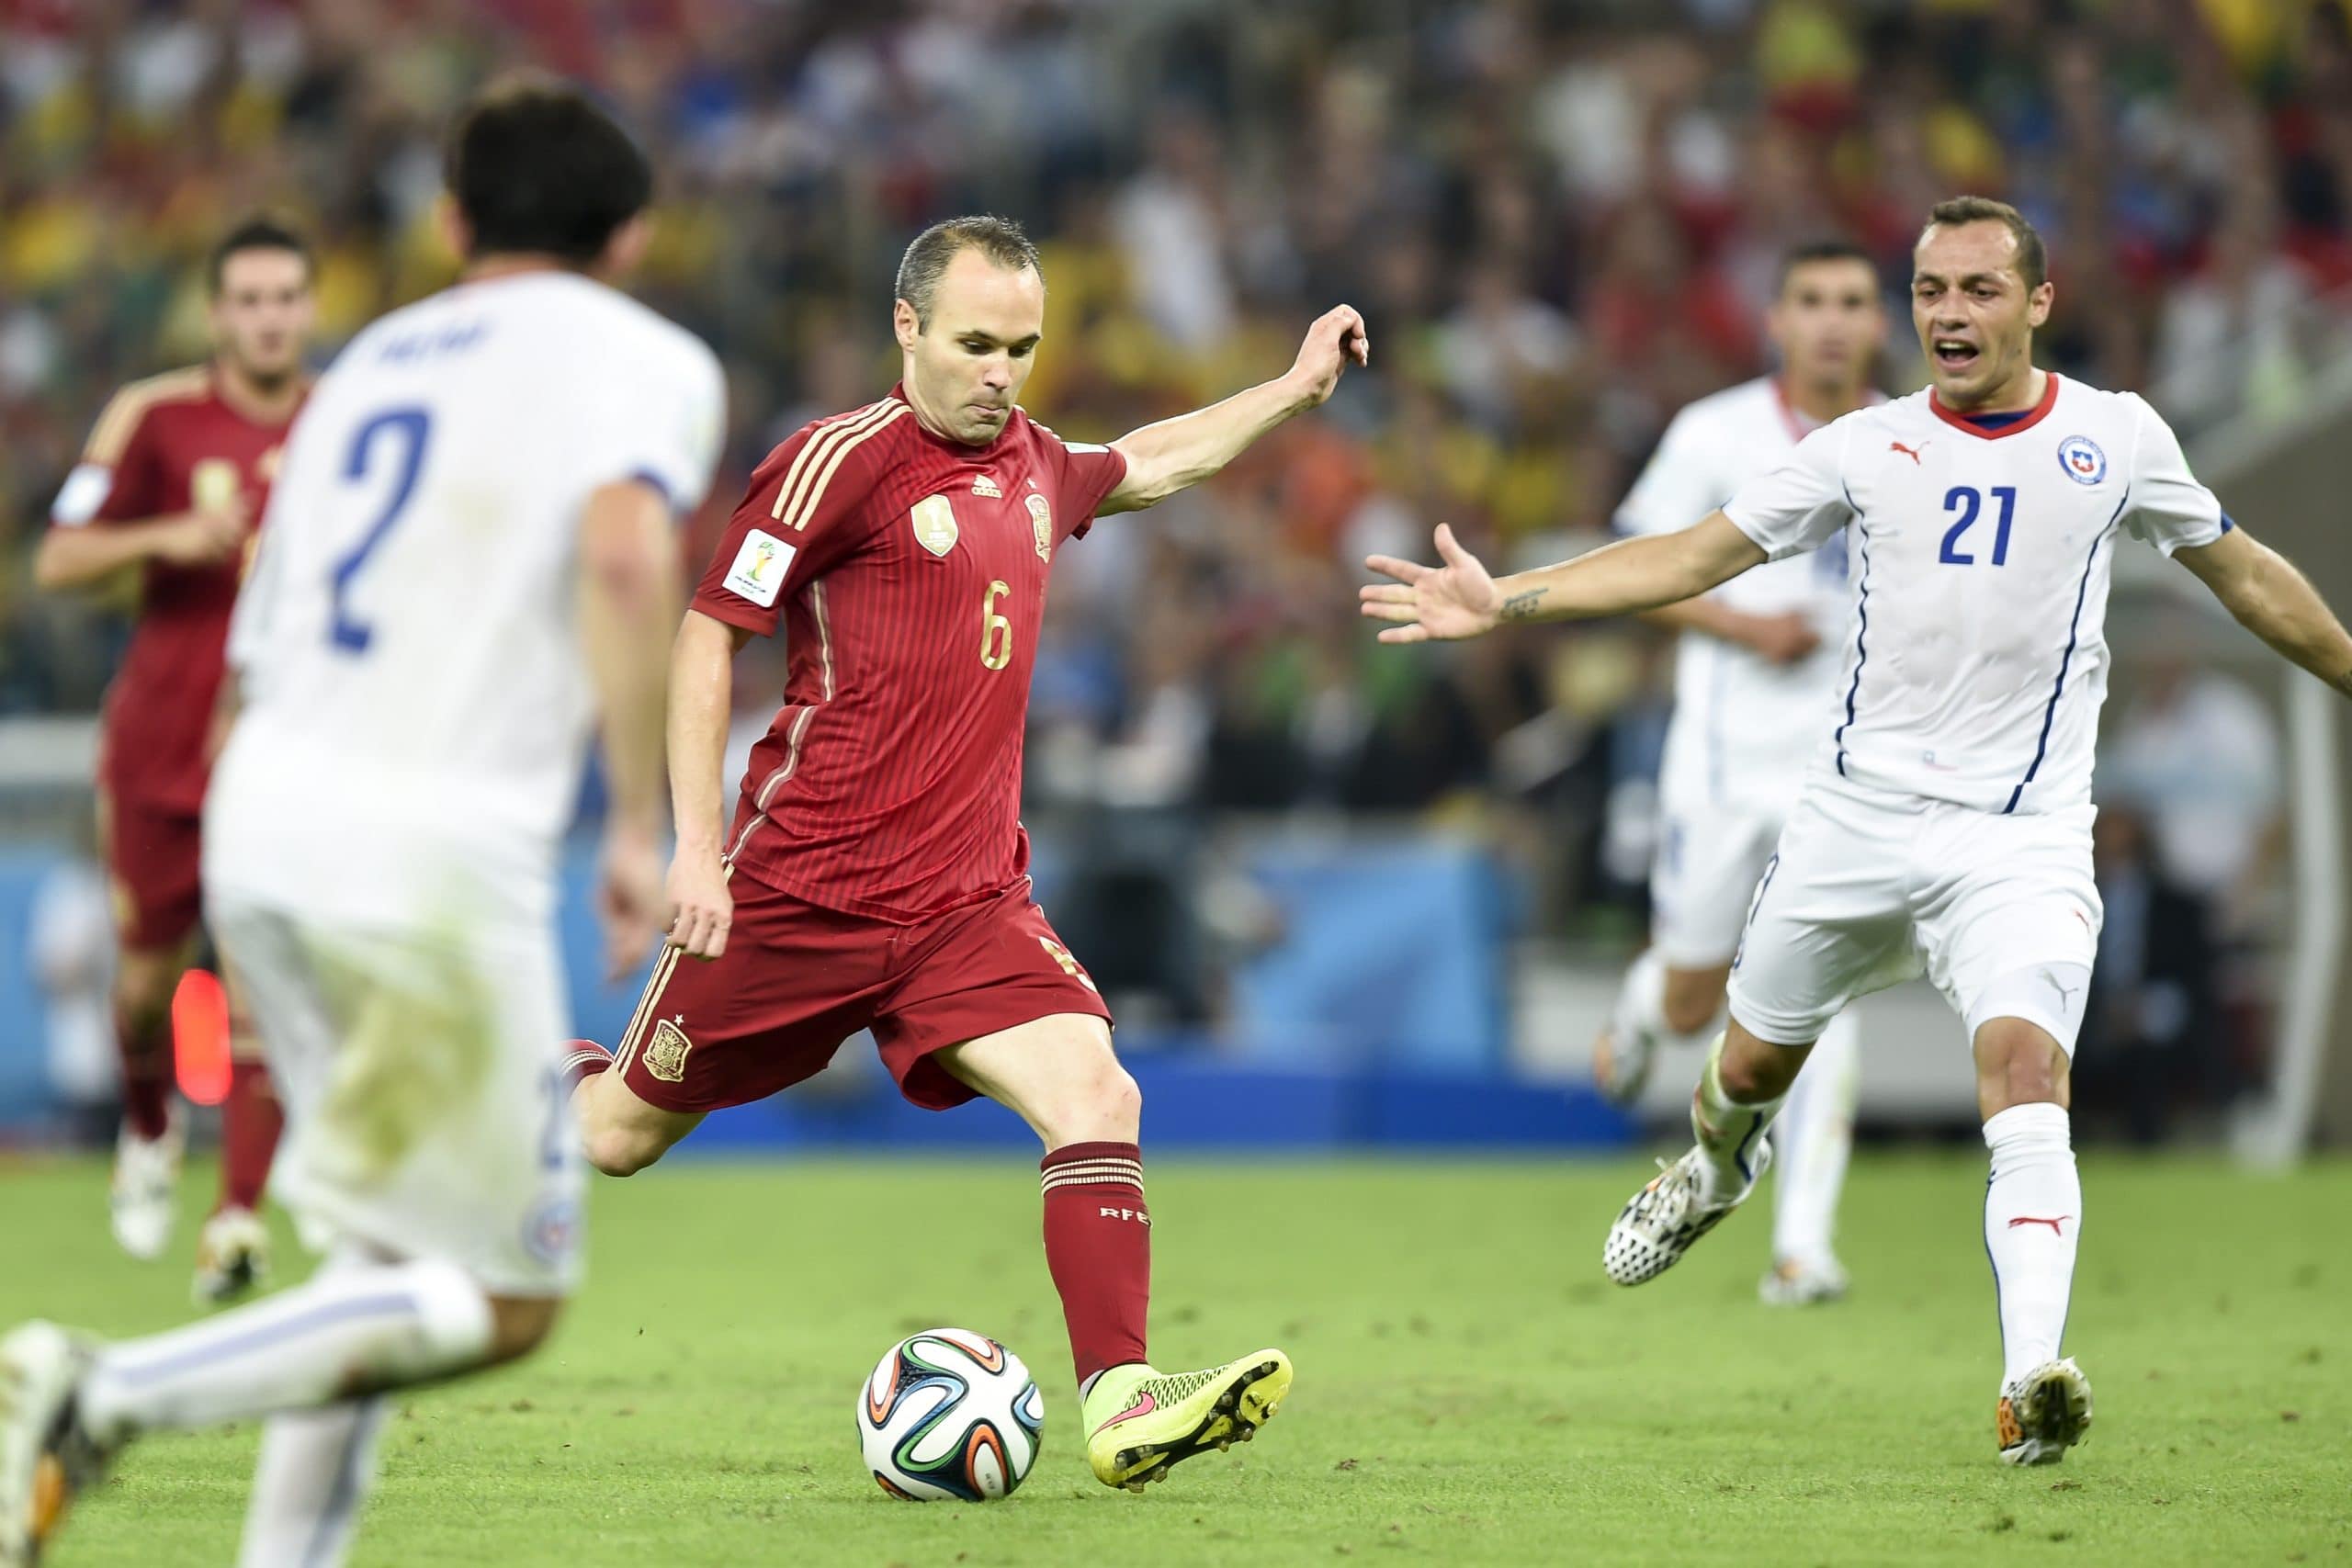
(1083, 475)
(798, 518)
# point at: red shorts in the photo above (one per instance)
(797, 980)
(154, 863)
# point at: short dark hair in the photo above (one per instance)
(537, 166)
(258, 232)
(998, 239)
(2033, 258)
(1807, 252)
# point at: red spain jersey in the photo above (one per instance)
(162, 446)
(909, 571)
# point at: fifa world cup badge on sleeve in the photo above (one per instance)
(934, 522)
(665, 1054)
(1041, 523)
(758, 572)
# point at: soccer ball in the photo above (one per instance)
(950, 1413)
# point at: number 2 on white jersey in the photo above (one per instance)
(415, 424)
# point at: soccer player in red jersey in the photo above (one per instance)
(170, 487)
(875, 876)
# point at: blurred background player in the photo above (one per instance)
(876, 874)
(1755, 670)
(470, 567)
(1946, 823)
(169, 491)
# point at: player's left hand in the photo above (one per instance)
(629, 897)
(1433, 604)
(1337, 339)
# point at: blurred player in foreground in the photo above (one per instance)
(1947, 817)
(468, 568)
(1754, 677)
(877, 873)
(170, 487)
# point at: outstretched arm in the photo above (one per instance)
(2275, 601)
(1177, 453)
(1460, 600)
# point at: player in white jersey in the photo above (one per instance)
(1946, 822)
(1754, 672)
(467, 567)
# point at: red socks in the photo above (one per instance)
(583, 1060)
(1098, 1246)
(250, 1119)
(146, 1051)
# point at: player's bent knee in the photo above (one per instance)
(621, 1151)
(520, 1324)
(619, 1133)
(1752, 1071)
(1100, 1104)
(1120, 1102)
(2019, 1062)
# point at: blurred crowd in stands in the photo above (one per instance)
(1561, 218)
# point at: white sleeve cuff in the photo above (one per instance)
(1754, 533)
(79, 497)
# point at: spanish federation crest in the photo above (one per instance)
(935, 522)
(665, 1052)
(1041, 523)
(2084, 462)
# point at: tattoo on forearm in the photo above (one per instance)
(1521, 606)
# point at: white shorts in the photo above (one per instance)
(1870, 888)
(1709, 860)
(425, 1109)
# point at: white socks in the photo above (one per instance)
(1731, 1136)
(2033, 1209)
(317, 1467)
(1810, 1144)
(353, 1329)
(1641, 1005)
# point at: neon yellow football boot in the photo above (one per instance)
(1140, 1422)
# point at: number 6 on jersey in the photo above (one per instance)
(996, 631)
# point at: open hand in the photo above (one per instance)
(1433, 602)
(1336, 340)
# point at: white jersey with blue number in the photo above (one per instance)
(1743, 728)
(416, 701)
(1977, 660)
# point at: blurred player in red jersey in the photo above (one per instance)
(171, 488)
(876, 873)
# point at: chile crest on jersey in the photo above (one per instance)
(2081, 458)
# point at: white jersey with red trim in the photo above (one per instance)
(1744, 727)
(1978, 657)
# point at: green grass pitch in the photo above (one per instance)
(1470, 1389)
